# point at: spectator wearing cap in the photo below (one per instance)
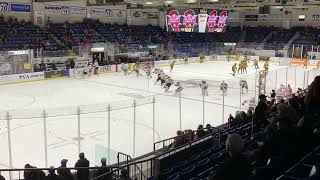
(237, 166)
(260, 112)
(52, 174)
(63, 172)
(82, 174)
(103, 170)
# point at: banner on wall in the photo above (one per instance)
(56, 9)
(77, 11)
(38, 18)
(105, 12)
(4, 7)
(15, 7)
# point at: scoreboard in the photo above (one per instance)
(196, 20)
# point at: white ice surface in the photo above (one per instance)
(60, 99)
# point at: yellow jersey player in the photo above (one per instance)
(318, 64)
(238, 57)
(244, 66)
(240, 67)
(305, 63)
(172, 65)
(266, 66)
(234, 69)
(186, 60)
(256, 64)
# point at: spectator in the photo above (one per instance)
(312, 98)
(189, 135)
(103, 170)
(179, 139)
(260, 112)
(33, 174)
(209, 129)
(63, 172)
(52, 174)
(237, 165)
(200, 132)
(124, 175)
(82, 174)
(230, 120)
(2, 178)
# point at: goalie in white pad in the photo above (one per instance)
(243, 85)
(204, 88)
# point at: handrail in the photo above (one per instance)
(129, 159)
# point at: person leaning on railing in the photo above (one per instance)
(82, 174)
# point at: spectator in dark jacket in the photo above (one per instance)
(82, 174)
(237, 166)
(260, 112)
(124, 175)
(103, 170)
(33, 174)
(200, 132)
(63, 172)
(52, 174)
(2, 178)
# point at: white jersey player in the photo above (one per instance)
(281, 92)
(179, 88)
(168, 83)
(136, 69)
(96, 68)
(124, 68)
(252, 103)
(224, 87)
(243, 85)
(288, 92)
(148, 72)
(89, 69)
(204, 88)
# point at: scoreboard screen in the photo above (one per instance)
(196, 20)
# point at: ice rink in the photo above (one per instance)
(135, 118)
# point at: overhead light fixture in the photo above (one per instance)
(191, 1)
(149, 3)
(169, 2)
(213, 0)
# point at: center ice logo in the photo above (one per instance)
(190, 19)
(174, 20)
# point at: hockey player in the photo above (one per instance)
(305, 63)
(186, 60)
(240, 67)
(266, 66)
(244, 65)
(172, 65)
(89, 69)
(234, 69)
(252, 103)
(124, 68)
(318, 64)
(281, 92)
(168, 84)
(148, 72)
(256, 64)
(160, 77)
(179, 88)
(96, 67)
(243, 85)
(288, 92)
(224, 87)
(136, 69)
(204, 88)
